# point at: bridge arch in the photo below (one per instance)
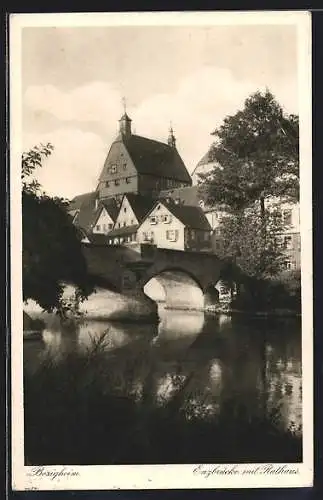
(176, 287)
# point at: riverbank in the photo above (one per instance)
(276, 313)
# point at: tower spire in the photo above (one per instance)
(124, 104)
(171, 138)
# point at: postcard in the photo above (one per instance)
(161, 250)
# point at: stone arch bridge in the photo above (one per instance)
(178, 278)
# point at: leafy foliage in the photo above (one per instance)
(52, 253)
(240, 240)
(257, 152)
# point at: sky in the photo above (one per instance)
(74, 79)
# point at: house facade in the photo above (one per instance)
(104, 217)
(177, 227)
(290, 239)
(132, 210)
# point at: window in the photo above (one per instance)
(148, 236)
(124, 224)
(287, 243)
(117, 182)
(107, 184)
(98, 227)
(110, 226)
(128, 180)
(119, 224)
(289, 264)
(151, 236)
(287, 217)
(125, 209)
(113, 169)
(153, 220)
(158, 208)
(166, 219)
(124, 166)
(172, 235)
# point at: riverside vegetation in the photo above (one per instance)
(81, 409)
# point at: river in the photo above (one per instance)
(236, 367)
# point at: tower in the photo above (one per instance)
(125, 126)
(171, 138)
(125, 122)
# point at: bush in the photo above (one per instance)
(280, 292)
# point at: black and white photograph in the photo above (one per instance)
(161, 250)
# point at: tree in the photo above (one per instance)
(240, 241)
(52, 253)
(257, 152)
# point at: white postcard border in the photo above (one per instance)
(161, 476)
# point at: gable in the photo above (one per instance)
(103, 218)
(118, 163)
(126, 215)
(160, 214)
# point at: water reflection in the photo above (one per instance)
(177, 331)
(210, 366)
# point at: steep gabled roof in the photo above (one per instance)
(191, 216)
(187, 195)
(192, 196)
(85, 205)
(156, 158)
(110, 205)
(77, 201)
(123, 231)
(140, 204)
